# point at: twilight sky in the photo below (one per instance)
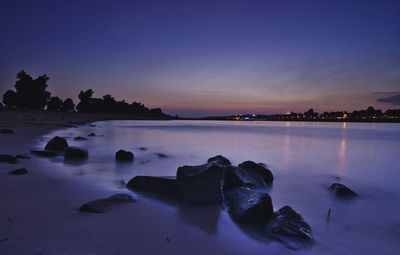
(199, 58)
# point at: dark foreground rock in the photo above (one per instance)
(19, 171)
(6, 158)
(7, 131)
(158, 185)
(80, 138)
(290, 228)
(258, 171)
(56, 144)
(123, 155)
(75, 153)
(101, 205)
(245, 205)
(44, 153)
(342, 190)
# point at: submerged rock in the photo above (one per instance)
(101, 205)
(158, 185)
(92, 134)
(161, 155)
(80, 138)
(22, 156)
(56, 144)
(342, 190)
(246, 205)
(7, 131)
(75, 153)
(257, 171)
(123, 155)
(44, 153)
(19, 171)
(6, 158)
(290, 228)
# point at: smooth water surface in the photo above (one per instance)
(305, 159)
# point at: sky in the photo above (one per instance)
(202, 58)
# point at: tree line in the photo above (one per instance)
(32, 93)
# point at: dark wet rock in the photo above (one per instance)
(7, 131)
(158, 185)
(246, 205)
(123, 155)
(92, 134)
(232, 181)
(290, 228)
(80, 138)
(44, 153)
(201, 185)
(22, 156)
(143, 148)
(101, 205)
(19, 171)
(220, 160)
(258, 171)
(342, 190)
(75, 153)
(161, 155)
(6, 158)
(56, 144)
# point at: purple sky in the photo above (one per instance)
(198, 58)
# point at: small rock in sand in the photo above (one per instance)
(92, 134)
(8, 159)
(7, 131)
(101, 205)
(19, 171)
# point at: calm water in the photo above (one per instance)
(304, 157)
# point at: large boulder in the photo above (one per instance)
(245, 205)
(258, 171)
(101, 205)
(7, 131)
(290, 228)
(6, 158)
(157, 185)
(342, 190)
(56, 144)
(75, 153)
(123, 155)
(19, 171)
(202, 185)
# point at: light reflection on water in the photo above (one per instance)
(305, 158)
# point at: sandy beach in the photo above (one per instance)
(39, 211)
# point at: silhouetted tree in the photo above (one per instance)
(85, 104)
(10, 98)
(68, 105)
(54, 104)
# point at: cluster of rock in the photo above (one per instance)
(218, 182)
(58, 145)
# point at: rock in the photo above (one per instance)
(8, 159)
(101, 205)
(56, 144)
(92, 134)
(75, 153)
(161, 155)
(232, 181)
(80, 138)
(19, 171)
(258, 171)
(44, 153)
(341, 190)
(246, 205)
(290, 228)
(7, 131)
(143, 148)
(158, 185)
(220, 160)
(201, 185)
(22, 156)
(122, 155)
